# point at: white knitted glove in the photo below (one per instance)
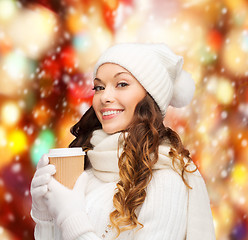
(42, 177)
(68, 207)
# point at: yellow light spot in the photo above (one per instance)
(224, 92)
(74, 22)
(237, 4)
(202, 129)
(17, 141)
(240, 174)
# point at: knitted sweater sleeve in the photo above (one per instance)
(200, 221)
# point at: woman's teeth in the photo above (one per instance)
(110, 113)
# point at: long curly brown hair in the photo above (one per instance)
(140, 153)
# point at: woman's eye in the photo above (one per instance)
(98, 88)
(122, 84)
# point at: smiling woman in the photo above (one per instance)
(139, 183)
(117, 94)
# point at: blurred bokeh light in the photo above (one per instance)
(47, 52)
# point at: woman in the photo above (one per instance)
(139, 181)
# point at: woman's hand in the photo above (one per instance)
(64, 203)
(42, 177)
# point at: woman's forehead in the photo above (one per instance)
(112, 70)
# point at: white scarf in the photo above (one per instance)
(104, 162)
(104, 156)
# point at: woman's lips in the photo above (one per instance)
(110, 113)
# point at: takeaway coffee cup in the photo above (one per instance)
(69, 163)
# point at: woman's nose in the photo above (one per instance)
(107, 95)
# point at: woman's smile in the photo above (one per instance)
(109, 113)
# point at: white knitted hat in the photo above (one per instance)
(158, 70)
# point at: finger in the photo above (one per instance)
(48, 195)
(54, 185)
(39, 191)
(47, 199)
(44, 160)
(50, 169)
(41, 180)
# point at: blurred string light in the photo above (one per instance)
(42, 144)
(15, 69)
(235, 5)
(68, 59)
(244, 40)
(90, 45)
(224, 91)
(5, 234)
(240, 174)
(34, 31)
(16, 65)
(63, 129)
(235, 55)
(222, 88)
(76, 21)
(8, 9)
(80, 89)
(214, 40)
(238, 185)
(10, 113)
(42, 114)
(81, 41)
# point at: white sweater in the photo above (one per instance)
(170, 211)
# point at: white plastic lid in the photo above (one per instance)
(65, 152)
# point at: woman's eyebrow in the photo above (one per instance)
(116, 75)
(97, 79)
(119, 73)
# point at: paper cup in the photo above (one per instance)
(69, 163)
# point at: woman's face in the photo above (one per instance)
(117, 93)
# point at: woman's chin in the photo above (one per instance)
(111, 130)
